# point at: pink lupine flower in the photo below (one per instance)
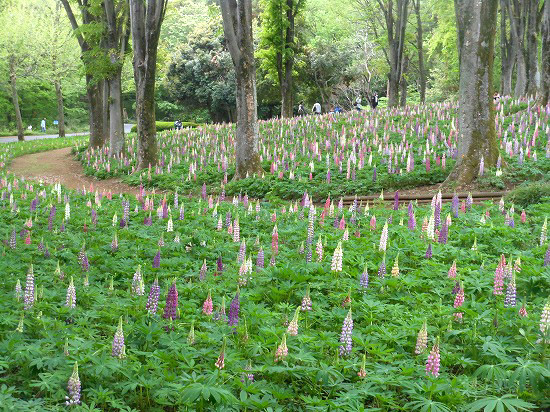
(274, 241)
(434, 362)
(282, 350)
(306, 301)
(452, 270)
(220, 362)
(459, 298)
(499, 280)
(293, 325)
(373, 223)
(523, 217)
(207, 305)
(421, 339)
(523, 311)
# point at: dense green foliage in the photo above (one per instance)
(162, 126)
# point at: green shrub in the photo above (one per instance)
(161, 126)
(529, 194)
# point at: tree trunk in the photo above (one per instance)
(393, 90)
(60, 109)
(15, 100)
(420, 48)
(404, 83)
(94, 91)
(237, 25)
(287, 86)
(506, 53)
(146, 20)
(476, 23)
(545, 61)
(105, 109)
(517, 16)
(532, 47)
(116, 122)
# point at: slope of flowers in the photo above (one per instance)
(172, 304)
(349, 153)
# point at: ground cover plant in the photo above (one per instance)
(341, 154)
(168, 303)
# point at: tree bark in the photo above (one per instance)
(15, 100)
(94, 92)
(146, 20)
(403, 84)
(237, 25)
(420, 49)
(476, 23)
(105, 110)
(506, 54)
(545, 61)
(287, 81)
(517, 15)
(60, 108)
(116, 123)
(533, 27)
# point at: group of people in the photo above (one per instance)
(357, 105)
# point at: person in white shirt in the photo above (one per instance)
(316, 108)
(43, 124)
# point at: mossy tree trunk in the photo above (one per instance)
(544, 96)
(237, 26)
(15, 100)
(476, 24)
(507, 57)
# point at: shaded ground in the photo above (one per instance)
(10, 139)
(59, 166)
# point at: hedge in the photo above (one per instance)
(161, 126)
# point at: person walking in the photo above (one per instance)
(316, 108)
(43, 124)
(301, 109)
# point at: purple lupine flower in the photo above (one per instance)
(84, 263)
(171, 307)
(51, 217)
(396, 200)
(220, 265)
(364, 279)
(345, 336)
(547, 256)
(28, 297)
(242, 252)
(374, 174)
(114, 243)
(382, 268)
(443, 233)
(34, 202)
(455, 205)
(73, 386)
(203, 191)
(153, 299)
(260, 258)
(437, 214)
(156, 260)
(429, 252)
(13, 239)
(309, 253)
(511, 221)
(119, 349)
(94, 216)
(234, 310)
(71, 295)
(510, 299)
(247, 376)
(306, 301)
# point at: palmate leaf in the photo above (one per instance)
(504, 403)
(427, 405)
(491, 373)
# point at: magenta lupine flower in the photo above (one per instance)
(71, 295)
(119, 349)
(345, 335)
(510, 299)
(429, 251)
(13, 239)
(219, 265)
(153, 299)
(274, 241)
(207, 305)
(234, 310)
(282, 350)
(459, 298)
(28, 297)
(171, 308)
(523, 310)
(156, 260)
(203, 191)
(452, 270)
(523, 216)
(421, 339)
(364, 278)
(306, 301)
(434, 362)
(260, 258)
(73, 386)
(499, 280)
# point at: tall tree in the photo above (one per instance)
(278, 45)
(237, 26)
(476, 26)
(533, 31)
(89, 35)
(420, 50)
(117, 19)
(545, 66)
(507, 53)
(146, 18)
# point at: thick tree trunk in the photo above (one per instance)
(403, 84)
(60, 108)
(94, 91)
(146, 126)
(532, 47)
(393, 90)
(476, 22)
(420, 48)
(116, 122)
(287, 86)
(507, 57)
(105, 109)
(545, 61)
(15, 101)
(517, 15)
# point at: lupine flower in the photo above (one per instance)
(421, 339)
(247, 376)
(71, 295)
(242, 252)
(219, 265)
(510, 299)
(156, 259)
(18, 291)
(171, 308)
(345, 335)
(545, 322)
(499, 280)
(274, 241)
(202, 273)
(434, 362)
(220, 362)
(236, 230)
(306, 301)
(373, 223)
(362, 372)
(28, 298)
(234, 310)
(13, 239)
(383, 238)
(469, 201)
(364, 278)
(547, 257)
(119, 349)
(191, 335)
(523, 216)
(429, 251)
(153, 299)
(114, 243)
(542, 232)
(293, 325)
(382, 268)
(443, 234)
(138, 288)
(260, 258)
(21, 323)
(73, 386)
(395, 268)
(282, 350)
(67, 211)
(459, 298)
(336, 264)
(319, 249)
(523, 310)
(474, 246)
(207, 305)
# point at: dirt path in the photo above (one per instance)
(59, 166)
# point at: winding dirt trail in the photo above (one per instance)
(59, 166)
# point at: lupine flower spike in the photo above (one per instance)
(220, 363)
(153, 299)
(545, 322)
(421, 339)
(119, 349)
(452, 270)
(191, 335)
(306, 301)
(73, 386)
(71, 295)
(293, 325)
(345, 335)
(434, 362)
(395, 268)
(28, 297)
(207, 305)
(282, 350)
(364, 279)
(362, 372)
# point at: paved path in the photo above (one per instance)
(127, 128)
